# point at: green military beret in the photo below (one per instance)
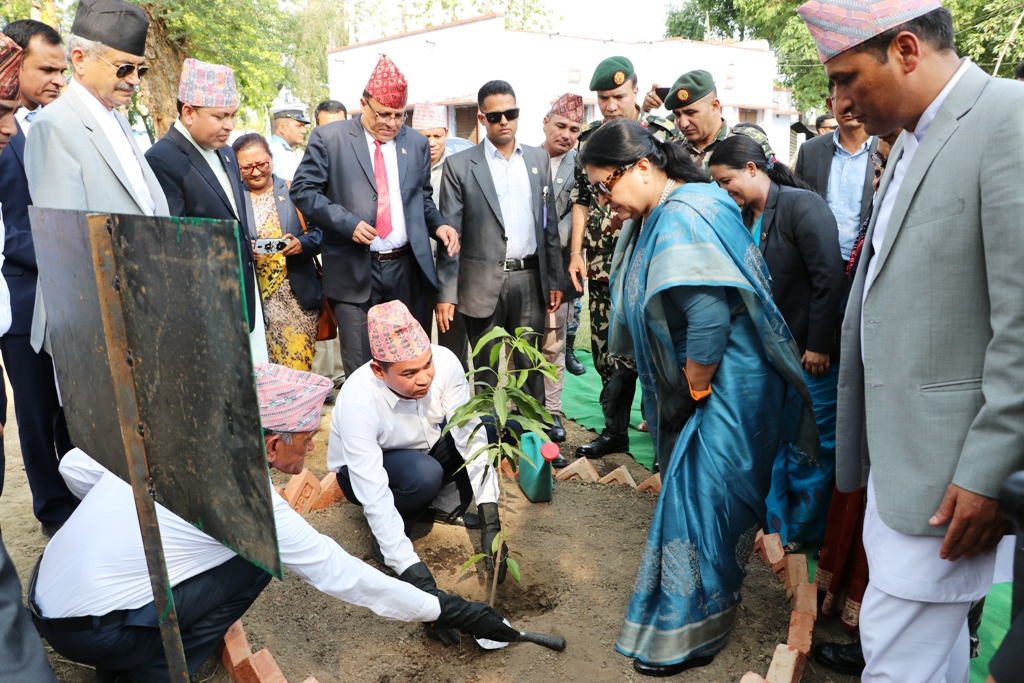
(688, 88)
(611, 73)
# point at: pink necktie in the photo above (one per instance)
(380, 175)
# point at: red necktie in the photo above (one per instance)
(380, 175)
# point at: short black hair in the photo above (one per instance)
(24, 30)
(1018, 71)
(329, 107)
(493, 88)
(934, 28)
(250, 140)
(820, 121)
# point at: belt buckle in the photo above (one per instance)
(504, 264)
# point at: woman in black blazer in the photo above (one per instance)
(288, 284)
(798, 237)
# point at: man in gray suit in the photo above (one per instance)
(931, 413)
(498, 196)
(82, 153)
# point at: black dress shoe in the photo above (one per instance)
(560, 462)
(470, 520)
(557, 431)
(659, 671)
(603, 445)
(844, 658)
(572, 364)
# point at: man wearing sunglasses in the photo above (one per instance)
(366, 183)
(199, 172)
(498, 196)
(82, 153)
(594, 233)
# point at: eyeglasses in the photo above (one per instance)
(396, 117)
(496, 116)
(605, 186)
(261, 166)
(830, 127)
(879, 162)
(125, 70)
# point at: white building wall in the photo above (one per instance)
(450, 63)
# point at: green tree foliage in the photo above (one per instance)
(691, 19)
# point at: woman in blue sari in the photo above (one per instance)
(721, 380)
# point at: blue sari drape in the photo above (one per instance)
(713, 492)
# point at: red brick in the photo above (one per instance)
(651, 484)
(773, 552)
(793, 572)
(235, 647)
(805, 599)
(259, 668)
(619, 475)
(581, 469)
(302, 491)
(801, 632)
(751, 677)
(787, 665)
(330, 492)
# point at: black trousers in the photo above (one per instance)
(207, 605)
(42, 429)
(519, 305)
(400, 280)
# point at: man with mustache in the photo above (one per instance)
(199, 172)
(42, 428)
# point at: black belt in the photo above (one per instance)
(382, 256)
(527, 263)
(68, 624)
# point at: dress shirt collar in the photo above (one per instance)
(839, 145)
(180, 127)
(928, 116)
(444, 155)
(391, 397)
(371, 140)
(95, 107)
(492, 151)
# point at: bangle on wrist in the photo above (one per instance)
(576, 253)
(694, 394)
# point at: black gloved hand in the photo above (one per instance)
(419, 575)
(475, 618)
(677, 409)
(490, 528)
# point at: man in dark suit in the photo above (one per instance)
(366, 183)
(838, 166)
(42, 429)
(498, 196)
(198, 170)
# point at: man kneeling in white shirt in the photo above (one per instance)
(91, 596)
(387, 448)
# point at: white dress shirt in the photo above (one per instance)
(398, 237)
(369, 419)
(512, 182)
(23, 118)
(96, 563)
(5, 293)
(213, 160)
(119, 141)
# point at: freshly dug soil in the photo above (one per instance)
(579, 559)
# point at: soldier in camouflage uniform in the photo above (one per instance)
(693, 100)
(594, 233)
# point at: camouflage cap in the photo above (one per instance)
(688, 88)
(611, 73)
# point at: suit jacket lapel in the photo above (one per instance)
(532, 161)
(401, 150)
(563, 179)
(102, 144)
(199, 163)
(482, 173)
(768, 217)
(227, 158)
(869, 178)
(959, 101)
(358, 139)
(825, 165)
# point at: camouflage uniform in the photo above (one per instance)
(599, 242)
(703, 157)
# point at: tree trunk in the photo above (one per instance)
(160, 86)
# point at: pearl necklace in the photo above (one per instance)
(669, 186)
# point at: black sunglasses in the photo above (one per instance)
(495, 116)
(124, 70)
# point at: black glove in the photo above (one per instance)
(490, 528)
(419, 575)
(475, 618)
(677, 409)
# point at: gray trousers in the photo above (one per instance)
(400, 280)
(21, 650)
(519, 305)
